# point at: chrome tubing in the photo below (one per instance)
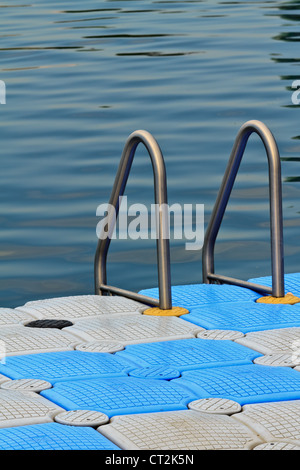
(276, 222)
(160, 194)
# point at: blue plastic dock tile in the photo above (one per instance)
(197, 295)
(155, 372)
(245, 316)
(291, 282)
(118, 396)
(53, 436)
(65, 365)
(187, 354)
(244, 384)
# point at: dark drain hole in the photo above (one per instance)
(59, 324)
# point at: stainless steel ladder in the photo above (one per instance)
(160, 192)
(163, 249)
(275, 195)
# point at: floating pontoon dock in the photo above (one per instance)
(212, 366)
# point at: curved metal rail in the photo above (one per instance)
(275, 192)
(163, 249)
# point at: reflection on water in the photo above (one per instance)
(80, 80)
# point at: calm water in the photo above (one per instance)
(80, 79)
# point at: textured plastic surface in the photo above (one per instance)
(215, 406)
(31, 385)
(220, 334)
(21, 408)
(155, 372)
(72, 308)
(194, 353)
(65, 365)
(53, 436)
(276, 446)
(82, 418)
(291, 282)
(278, 360)
(22, 340)
(118, 396)
(186, 430)
(130, 329)
(194, 295)
(283, 340)
(274, 421)
(100, 346)
(3, 378)
(244, 384)
(163, 382)
(9, 317)
(245, 316)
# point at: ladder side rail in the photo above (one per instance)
(161, 200)
(275, 195)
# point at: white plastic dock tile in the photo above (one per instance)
(215, 406)
(178, 430)
(23, 408)
(278, 421)
(65, 365)
(100, 346)
(82, 418)
(130, 329)
(3, 379)
(72, 308)
(280, 341)
(187, 354)
(277, 360)
(10, 316)
(220, 334)
(23, 340)
(53, 436)
(122, 395)
(276, 446)
(31, 385)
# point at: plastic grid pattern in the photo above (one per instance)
(118, 396)
(53, 436)
(138, 402)
(194, 295)
(245, 316)
(18, 408)
(283, 340)
(186, 354)
(291, 282)
(65, 365)
(244, 384)
(187, 430)
(72, 308)
(22, 340)
(10, 316)
(131, 329)
(273, 421)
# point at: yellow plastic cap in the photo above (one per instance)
(288, 299)
(173, 312)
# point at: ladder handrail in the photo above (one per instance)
(275, 194)
(160, 192)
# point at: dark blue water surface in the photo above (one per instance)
(80, 77)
